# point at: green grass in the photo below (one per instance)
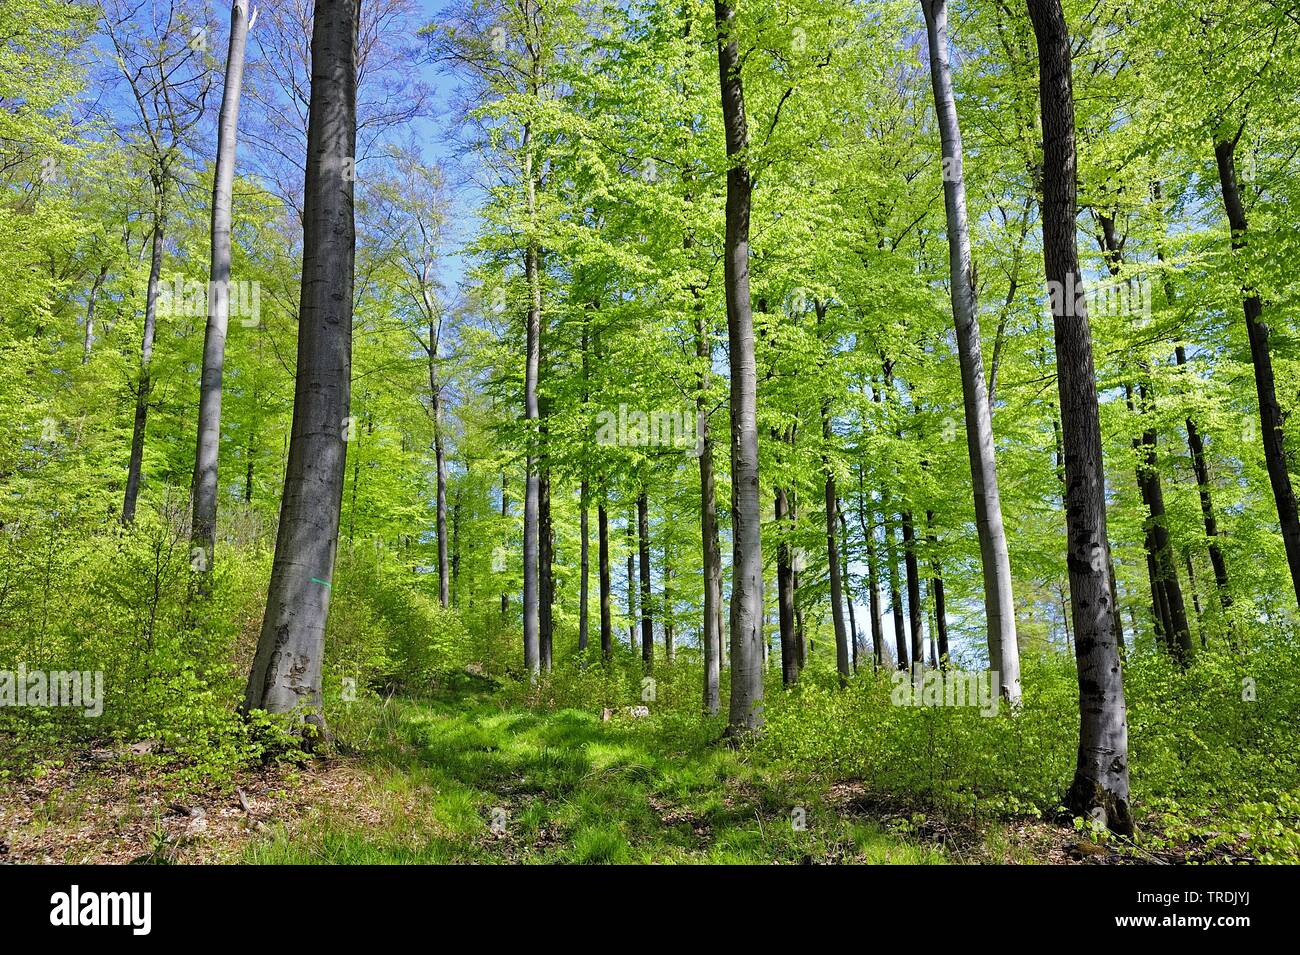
(462, 778)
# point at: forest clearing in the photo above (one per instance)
(531, 431)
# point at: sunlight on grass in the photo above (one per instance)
(459, 780)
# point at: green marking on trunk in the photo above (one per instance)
(323, 583)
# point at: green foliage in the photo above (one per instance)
(386, 629)
(1206, 763)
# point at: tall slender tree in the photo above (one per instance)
(1100, 790)
(286, 671)
(999, 599)
(1261, 356)
(203, 487)
(746, 708)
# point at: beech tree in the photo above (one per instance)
(745, 713)
(1100, 790)
(286, 672)
(999, 599)
(203, 526)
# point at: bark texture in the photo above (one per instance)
(746, 709)
(1270, 411)
(999, 599)
(1100, 789)
(286, 672)
(204, 484)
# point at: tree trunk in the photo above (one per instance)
(999, 600)
(896, 608)
(746, 713)
(584, 502)
(867, 519)
(143, 385)
(1202, 471)
(286, 672)
(1270, 412)
(711, 629)
(1166, 593)
(790, 662)
(440, 465)
(667, 613)
(855, 638)
(936, 588)
(842, 662)
(710, 548)
(204, 484)
(89, 337)
(643, 557)
(1177, 632)
(1196, 599)
(1100, 790)
(455, 550)
(505, 512)
(915, 613)
(532, 492)
(604, 584)
(545, 562)
(584, 586)
(631, 580)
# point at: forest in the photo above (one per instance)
(649, 431)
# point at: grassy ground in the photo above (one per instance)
(459, 778)
(465, 776)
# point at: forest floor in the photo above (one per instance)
(461, 777)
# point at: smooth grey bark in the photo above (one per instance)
(896, 608)
(867, 519)
(505, 512)
(915, 612)
(204, 483)
(855, 638)
(711, 630)
(440, 462)
(631, 579)
(603, 582)
(532, 491)
(710, 548)
(746, 709)
(669, 635)
(89, 337)
(584, 560)
(1270, 411)
(286, 672)
(144, 382)
(1100, 789)
(999, 598)
(584, 504)
(643, 561)
(842, 662)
